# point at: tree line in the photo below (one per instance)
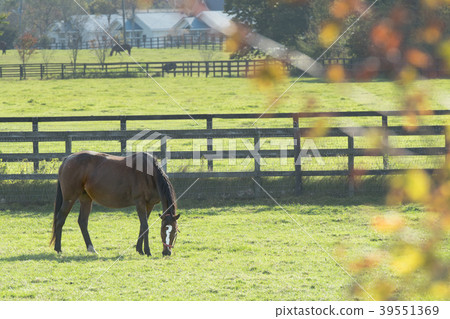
(298, 24)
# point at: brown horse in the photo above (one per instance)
(120, 48)
(115, 182)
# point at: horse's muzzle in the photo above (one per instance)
(166, 252)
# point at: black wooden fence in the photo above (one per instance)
(296, 131)
(225, 68)
(200, 42)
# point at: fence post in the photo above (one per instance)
(69, 145)
(164, 153)
(209, 126)
(351, 165)
(297, 157)
(257, 148)
(385, 143)
(42, 71)
(35, 124)
(21, 71)
(123, 128)
(62, 71)
(1, 72)
(447, 143)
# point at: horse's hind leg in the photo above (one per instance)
(60, 220)
(85, 210)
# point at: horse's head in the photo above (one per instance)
(169, 230)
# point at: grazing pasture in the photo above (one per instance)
(227, 250)
(245, 250)
(141, 55)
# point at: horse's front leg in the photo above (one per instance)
(143, 231)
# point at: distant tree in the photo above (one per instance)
(3, 17)
(46, 54)
(105, 7)
(39, 15)
(26, 47)
(282, 21)
(77, 27)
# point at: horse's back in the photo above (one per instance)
(107, 179)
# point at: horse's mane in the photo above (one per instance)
(164, 186)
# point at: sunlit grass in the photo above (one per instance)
(247, 251)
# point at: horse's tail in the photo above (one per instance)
(58, 204)
(165, 188)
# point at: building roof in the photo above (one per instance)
(129, 26)
(160, 20)
(195, 24)
(217, 20)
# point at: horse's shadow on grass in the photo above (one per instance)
(56, 257)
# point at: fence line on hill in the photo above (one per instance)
(35, 136)
(222, 68)
(200, 42)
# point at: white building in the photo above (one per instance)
(145, 28)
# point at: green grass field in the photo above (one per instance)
(227, 249)
(141, 55)
(241, 251)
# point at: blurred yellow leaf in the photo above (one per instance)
(434, 4)
(319, 129)
(328, 34)
(417, 185)
(235, 41)
(406, 260)
(444, 52)
(374, 138)
(336, 73)
(431, 34)
(269, 76)
(407, 75)
(382, 290)
(440, 290)
(388, 223)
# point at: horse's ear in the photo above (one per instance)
(178, 216)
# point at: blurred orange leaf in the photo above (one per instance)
(418, 58)
(388, 223)
(336, 73)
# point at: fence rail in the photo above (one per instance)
(209, 133)
(200, 42)
(222, 68)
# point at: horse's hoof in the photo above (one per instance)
(149, 254)
(91, 249)
(140, 252)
